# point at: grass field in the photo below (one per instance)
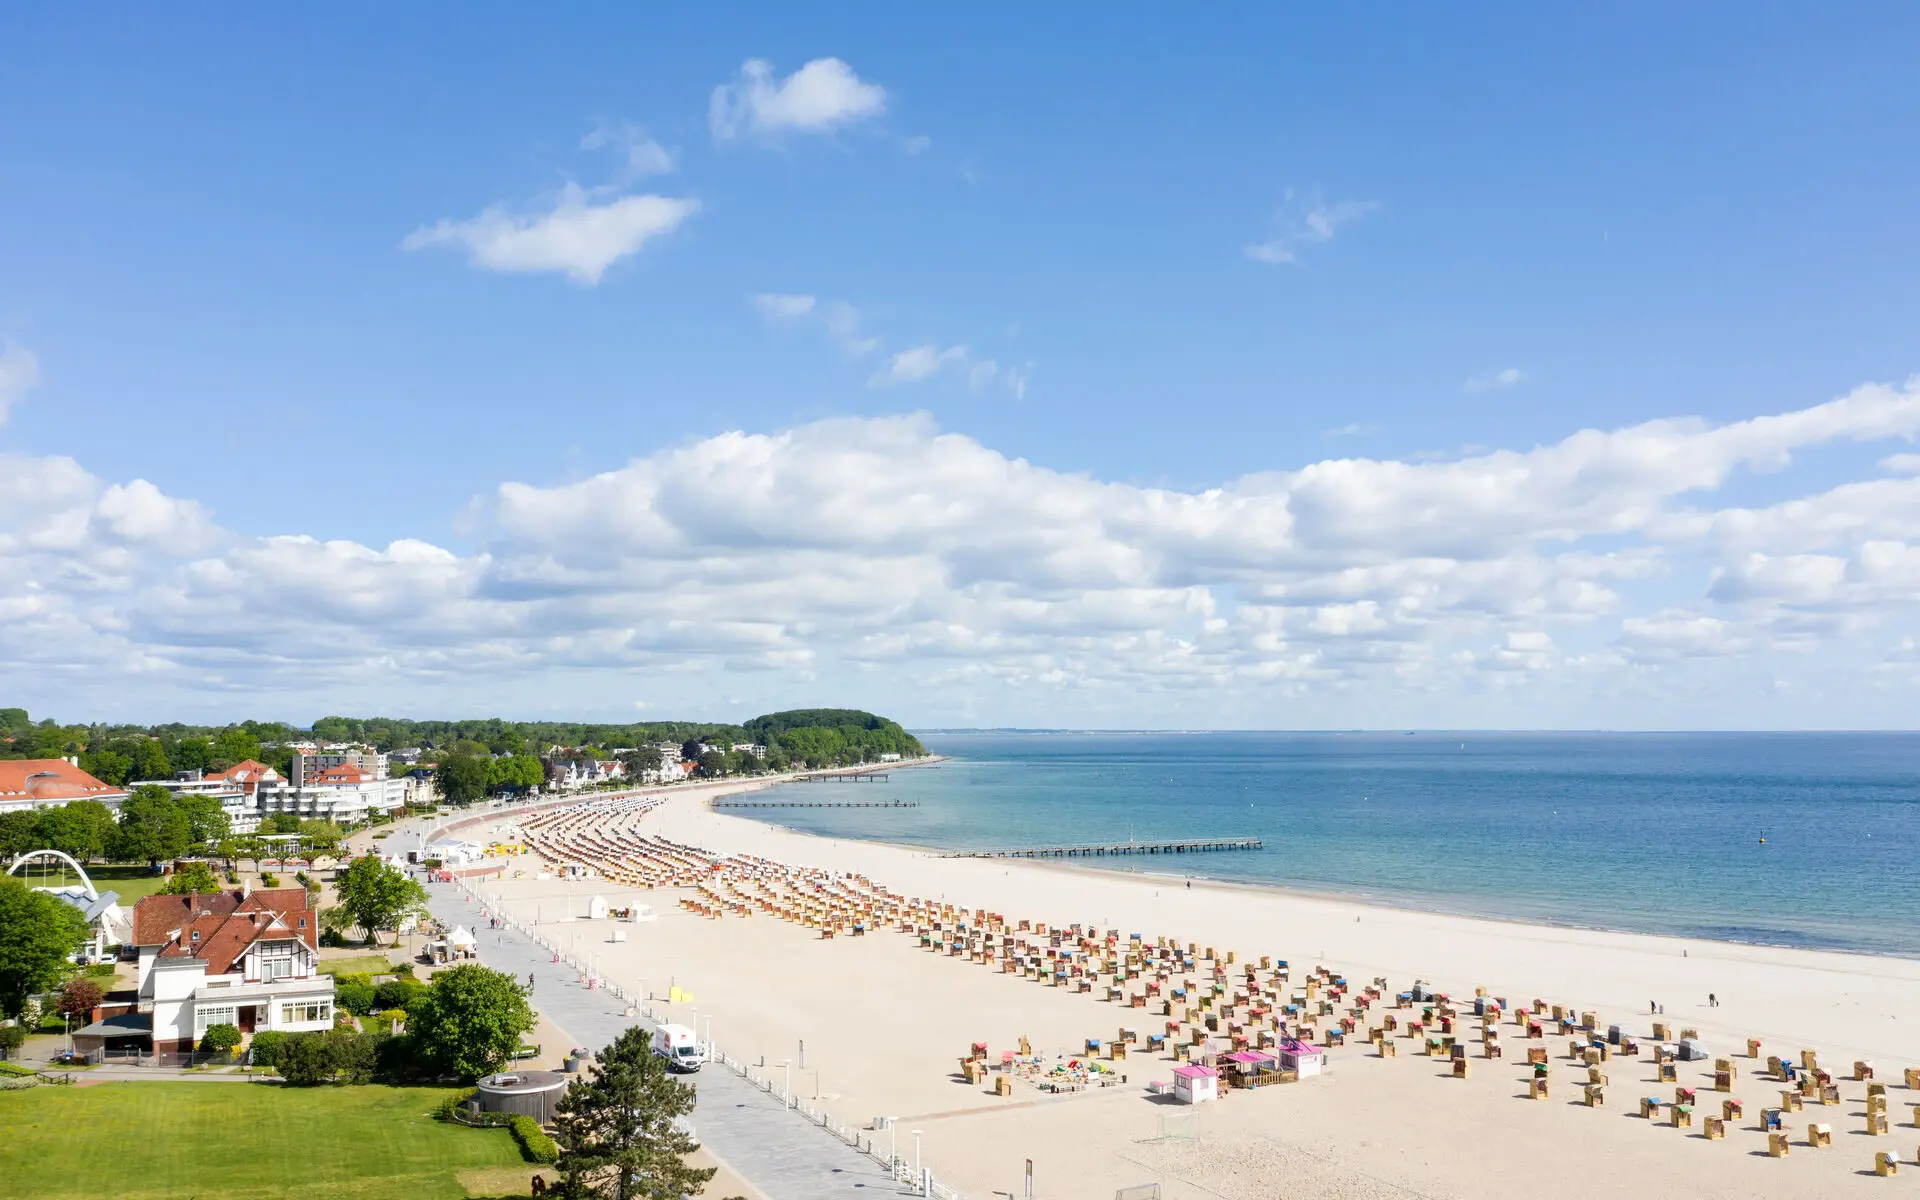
(363, 964)
(240, 1141)
(132, 880)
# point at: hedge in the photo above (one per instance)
(535, 1145)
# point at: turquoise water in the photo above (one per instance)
(1655, 833)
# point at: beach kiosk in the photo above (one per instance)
(1303, 1058)
(1195, 1085)
(597, 909)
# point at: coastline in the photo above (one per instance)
(878, 1022)
(1401, 903)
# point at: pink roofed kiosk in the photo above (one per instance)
(1303, 1058)
(1195, 1085)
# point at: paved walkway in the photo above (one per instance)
(780, 1152)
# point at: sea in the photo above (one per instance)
(1809, 840)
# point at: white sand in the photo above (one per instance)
(885, 1023)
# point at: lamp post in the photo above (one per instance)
(786, 1089)
(916, 1155)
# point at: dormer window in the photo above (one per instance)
(196, 935)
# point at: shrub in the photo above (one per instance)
(269, 879)
(306, 1059)
(333, 937)
(397, 993)
(220, 1038)
(105, 970)
(266, 1047)
(11, 1037)
(393, 1014)
(535, 1145)
(354, 997)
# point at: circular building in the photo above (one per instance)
(521, 1093)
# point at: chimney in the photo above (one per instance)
(246, 889)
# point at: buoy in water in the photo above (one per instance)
(1763, 841)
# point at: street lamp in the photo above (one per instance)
(916, 1156)
(786, 1090)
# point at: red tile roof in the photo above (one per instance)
(226, 923)
(49, 779)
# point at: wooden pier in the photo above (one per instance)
(814, 804)
(1102, 850)
(846, 777)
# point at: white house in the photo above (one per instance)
(244, 959)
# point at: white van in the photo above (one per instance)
(678, 1045)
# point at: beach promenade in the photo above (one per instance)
(778, 1151)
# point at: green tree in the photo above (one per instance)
(107, 766)
(235, 745)
(152, 827)
(713, 764)
(470, 1021)
(618, 1132)
(37, 933)
(151, 762)
(378, 896)
(194, 879)
(321, 836)
(207, 822)
(19, 833)
(462, 778)
(220, 1038)
(82, 828)
(193, 754)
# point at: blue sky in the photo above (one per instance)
(1129, 249)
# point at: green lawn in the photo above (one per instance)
(132, 880)
(362, 964)
(239, 1141)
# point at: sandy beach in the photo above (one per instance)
(885, 1023)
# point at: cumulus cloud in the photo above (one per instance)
(823, 95)
(887, 545)
(580, 236)
(19, 374)
(1300, 224)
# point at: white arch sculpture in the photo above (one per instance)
(65, 857)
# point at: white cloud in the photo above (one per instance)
(781, 306)
(640, 155)
(1354, 430)
(19, 374)
(1901, 464)
(1495, 381)
(1301, 224)
(823, 95)
(817, 555)
(577, 236)
(919, 362)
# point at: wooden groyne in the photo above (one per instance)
(815, 804)
(1103, 849)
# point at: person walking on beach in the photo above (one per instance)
(529, 983)
(1652, 1008)
(1712, 1002)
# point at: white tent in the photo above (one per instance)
(462, 938)
(597, 909)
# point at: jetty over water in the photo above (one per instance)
(1103, 849)
(844, 777)
(814, 804)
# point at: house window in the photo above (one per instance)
(310, 1010)
(206, 1017)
